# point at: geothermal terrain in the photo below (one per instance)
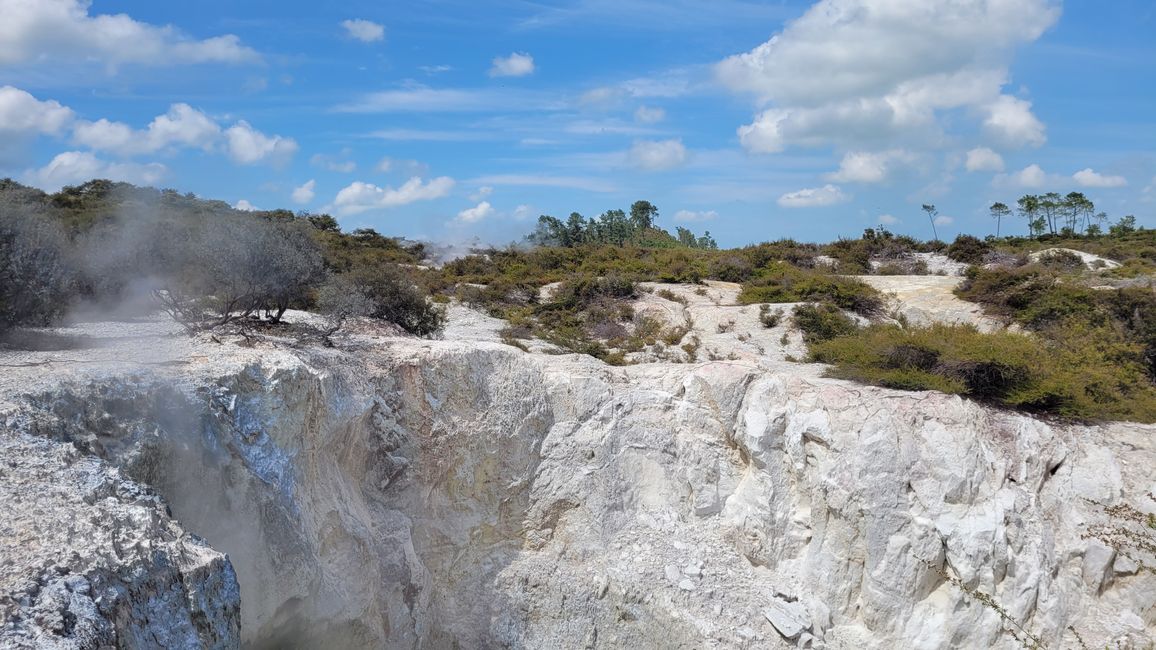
(394, 492)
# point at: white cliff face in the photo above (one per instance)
(407, 493)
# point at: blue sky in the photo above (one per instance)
(454, 119)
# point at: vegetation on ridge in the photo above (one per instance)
(1087, 350)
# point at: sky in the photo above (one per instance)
(463, 120)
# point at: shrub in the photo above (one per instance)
(226, 266)
(822, 322)
(35, 278)
(968, 249)
(781, 282)
(769, 318)
(397, 300)
(339, 298)
(1061, 260)
(1089, 373)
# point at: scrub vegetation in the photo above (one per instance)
(1085, 345)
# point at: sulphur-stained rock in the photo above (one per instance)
(403, 493)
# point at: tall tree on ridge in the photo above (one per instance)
(929, 208)
(998, 212)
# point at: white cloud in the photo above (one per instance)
(20, 112)
(1089, 178)
(333, 164)
(428, 135)
(1031, 176)
(1149, 192)
(421, 99)
(657, 155)
(63, 30)
(649, 115)
(688, 215)
(600, 96)
(515, 65)
(482, 193)
(982, 159)
(813, 197)
(75, 167)
(304, 193)
(183, 126)
(365, 31)
(249, 146)
(408, 168)
(888, 220)
(869, 167)
(545, 180)
(476, 213)
(1011, 122)
(245, 206)
(359, 197)
(435, 69)
(855, 71)
(523, 212)
(944, 220)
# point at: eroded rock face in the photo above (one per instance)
(92, 560)
(437, 493)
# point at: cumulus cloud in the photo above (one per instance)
(248, 146)
(523, 212)
(365, 31)
(657, 155)
(855, 71)
(649, 115)
(869, 167)
(360, 197)
(182, 126)
(75, 167)
(1032, 176)
(1089, 178)
(476, 213)
(482, 193)
(245, 206)
(982, 159)
(64, 30)
(813, 197)
(20, 112)
(689, 215)
(1010, 121)
(888, 220)
(304, 193)
(515, 65)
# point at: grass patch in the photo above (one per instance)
(1093, 373)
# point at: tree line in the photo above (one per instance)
(1064, 215)
(615, 228)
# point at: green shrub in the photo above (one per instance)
(823, 322)
(968, 249)
(769, 318)
(781, 282)
(398, 300)
(1086, 372)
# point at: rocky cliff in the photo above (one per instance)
(464, 493)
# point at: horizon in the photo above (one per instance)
(450, 121)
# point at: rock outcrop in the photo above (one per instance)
(463, 493)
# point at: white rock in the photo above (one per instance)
(790, 619)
